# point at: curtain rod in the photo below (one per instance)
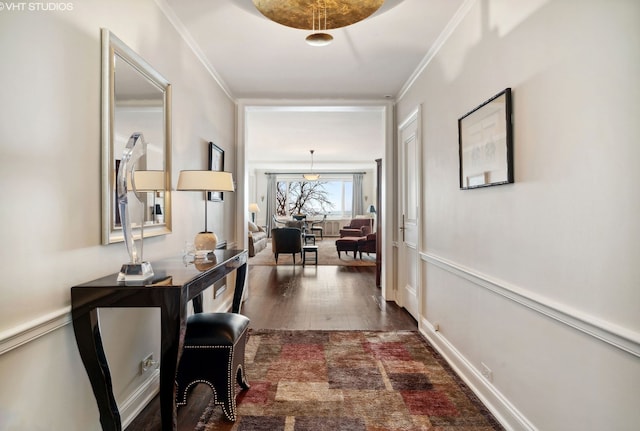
(315, 172)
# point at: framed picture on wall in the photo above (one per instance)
(216, 163)
(485, 143)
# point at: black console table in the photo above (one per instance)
(175, 283)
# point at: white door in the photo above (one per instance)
(409, 213)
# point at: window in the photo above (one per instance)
(331, 197)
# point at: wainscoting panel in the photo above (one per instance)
(614, 335)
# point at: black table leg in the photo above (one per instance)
(87, 331)
(173, 322)
(238, 293)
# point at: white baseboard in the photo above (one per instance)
(500, 407)
(138, 400)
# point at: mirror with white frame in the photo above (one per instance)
(135, 99)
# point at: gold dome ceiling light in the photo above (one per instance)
(321, 15)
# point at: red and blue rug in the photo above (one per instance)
(351, 381)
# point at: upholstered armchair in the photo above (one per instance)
(357, 227)
(367, 244)
(286, 240)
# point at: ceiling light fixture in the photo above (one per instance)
(311, 176)
(295, 14)
(319, 38)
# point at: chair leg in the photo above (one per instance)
(241, 378)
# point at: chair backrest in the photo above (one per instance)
(276, 221)
(357, 223)
(286, 240)
(295, 223)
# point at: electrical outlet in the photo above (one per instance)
(486, 372)
(147, 363)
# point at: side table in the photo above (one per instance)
(309, 249)
(174, 285)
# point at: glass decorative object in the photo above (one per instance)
(135, 271)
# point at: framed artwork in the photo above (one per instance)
(216, 163)
(485, 143)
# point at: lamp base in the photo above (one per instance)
(205, 241)
(135, 273)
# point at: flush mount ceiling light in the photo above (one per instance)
(319, 15)
(311, 176)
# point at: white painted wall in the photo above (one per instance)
(530, 278)
(50, 210)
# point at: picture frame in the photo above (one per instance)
(485, 143)
(216, 163)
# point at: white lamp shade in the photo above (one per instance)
(147, 181)
(253, 208)
(212, 181)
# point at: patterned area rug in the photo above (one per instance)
(327, 255)
(351, 381)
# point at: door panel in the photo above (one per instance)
(409, 216)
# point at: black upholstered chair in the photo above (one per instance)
(286, 240)
(213, 353)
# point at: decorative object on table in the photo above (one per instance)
(485, 143)
(311, 176)
(205, 181)
(135, 271)
(253, 209)
(216, 163)
(317, 16)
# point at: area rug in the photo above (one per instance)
(327, 255)
(351, 381)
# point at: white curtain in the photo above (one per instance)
(357, 203)
(271, 201)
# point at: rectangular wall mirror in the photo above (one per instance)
(135, 99)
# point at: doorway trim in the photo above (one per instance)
(388, 169)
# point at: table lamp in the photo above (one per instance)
(205, 181)
(253, 209)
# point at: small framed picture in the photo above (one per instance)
(216, 163)
(485, 143)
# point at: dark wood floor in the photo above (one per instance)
(287, 297)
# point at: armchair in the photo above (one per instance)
(367, 244)
(358, 227)
(276, 222)
(286, 240)
(318, 226)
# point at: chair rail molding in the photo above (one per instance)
(26, 332)
(615, 335)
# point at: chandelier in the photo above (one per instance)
(311, 176)
(321, 15)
